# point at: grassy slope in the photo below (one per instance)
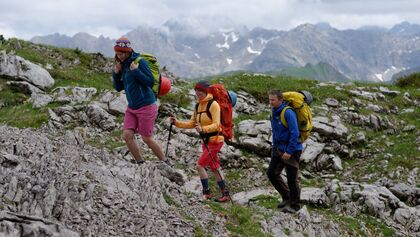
(69, 68)
(65, 72)
(320, 71)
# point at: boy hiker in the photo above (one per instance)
(286, 151)
(137, 81)
(210, 131)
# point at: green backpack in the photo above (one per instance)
(154, 67)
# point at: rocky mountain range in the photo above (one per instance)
(368, 53)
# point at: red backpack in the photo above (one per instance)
(221, 95)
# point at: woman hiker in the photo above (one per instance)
(137, 81)
(209, 129)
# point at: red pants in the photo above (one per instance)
(210, 159)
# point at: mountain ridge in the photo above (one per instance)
(366, 54)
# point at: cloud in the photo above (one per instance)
(25, 19)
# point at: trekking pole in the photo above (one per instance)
(169, 138)
(214, 162)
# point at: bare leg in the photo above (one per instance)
(129, 139)
(201, 172)
(218, 174)
(152, 144)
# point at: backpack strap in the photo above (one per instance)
(282, 116)
(137, 60)
(207, 111)
(208, 108)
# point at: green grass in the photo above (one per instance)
(260, 85)
(267, 201)
(199, 232)
(180, 99)
(81, 76)
(404, 150)
(241, 221)
(65, 71)
(111, 141)
(265, 115)
(170, 201)
(23, 116)
(8, 97)
(362, 225)
(313, 182)
(412, 80)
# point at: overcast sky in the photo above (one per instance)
(27, 18)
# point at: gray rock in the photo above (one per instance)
(332, 102)
(375, 108)
(409, 128)
(314, 196)
(247, 104)
(248, 196)
(118, 105)
(100, 117)
(324, 126)
(24, 87)
(22, 225)
(39, 100)
(386, 91)
(21, 69)
(73, 95)
(403, 192)
(311, 151)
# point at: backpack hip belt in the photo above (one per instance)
(208, 135)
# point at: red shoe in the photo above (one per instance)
(224, 198)
(207, 194)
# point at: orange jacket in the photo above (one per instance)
(208, 125)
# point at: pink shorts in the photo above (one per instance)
(207, 160)
(141, 120)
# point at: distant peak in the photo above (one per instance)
(405, 28)
(323, 25)
(308, 26)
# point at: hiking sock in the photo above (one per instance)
(222, 185)
(205, 183)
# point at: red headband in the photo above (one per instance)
(202, 86)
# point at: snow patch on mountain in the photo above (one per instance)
(225, 45)
(251, 51)
(388, 73)
(233, 38)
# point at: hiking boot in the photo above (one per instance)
(283, 203)
(207, 194)
(139, 162)
(225, 196)
(288, 209)
(293, 208)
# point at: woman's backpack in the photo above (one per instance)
(162, 85)
(226, 100)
